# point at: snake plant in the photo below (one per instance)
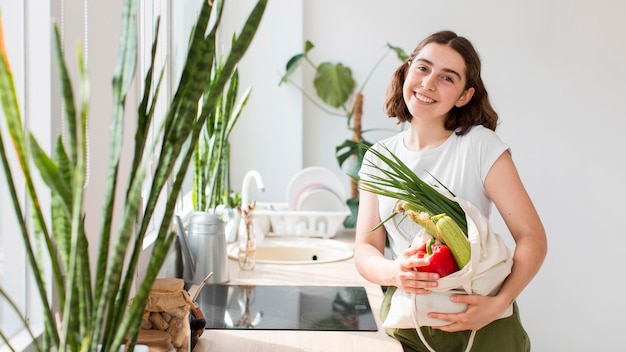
(211, 176)
(96, 312)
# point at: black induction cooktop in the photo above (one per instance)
(265, 307)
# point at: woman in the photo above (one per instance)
(439, 93)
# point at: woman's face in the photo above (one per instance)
(435, 83)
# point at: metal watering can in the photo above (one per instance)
(203, 248)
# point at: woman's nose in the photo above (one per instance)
(428, 82)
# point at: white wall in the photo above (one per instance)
(268, 135)
(555, 71)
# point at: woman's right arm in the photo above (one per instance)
(369, 258)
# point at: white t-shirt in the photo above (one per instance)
(461, 163)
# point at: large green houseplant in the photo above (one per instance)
(96, 313)
(336, 88)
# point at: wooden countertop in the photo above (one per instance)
(341, 273)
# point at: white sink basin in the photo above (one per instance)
(298, 250)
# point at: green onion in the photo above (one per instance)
(400, 182)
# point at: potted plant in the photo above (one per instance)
(211, 189)
(335, 87)
(96, 313)
(211, 177)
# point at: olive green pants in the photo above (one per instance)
(506, 335)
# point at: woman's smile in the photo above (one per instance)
(423, 98)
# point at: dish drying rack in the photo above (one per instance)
(283, 221)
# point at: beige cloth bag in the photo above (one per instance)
(490, 263)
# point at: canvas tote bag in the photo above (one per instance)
(490, 263)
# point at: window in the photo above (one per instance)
(149, 12)
(26, 42)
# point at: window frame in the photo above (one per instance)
(27, 43)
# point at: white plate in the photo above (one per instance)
(314, 176)
(319, 199)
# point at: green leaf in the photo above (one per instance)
(351, 149)
(68, 97)
(51, 175)
(294, 62)
(291, 67)
(334, 83)
(353, 206)
(308, 45)
(400, 53)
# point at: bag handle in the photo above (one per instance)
(413, 309)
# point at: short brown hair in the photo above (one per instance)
(478, 111)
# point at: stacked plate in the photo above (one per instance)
(316, 189)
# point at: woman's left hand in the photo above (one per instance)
(481, 310)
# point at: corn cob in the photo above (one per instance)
(418, 215)
(451, 234)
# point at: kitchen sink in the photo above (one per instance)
(298, 250)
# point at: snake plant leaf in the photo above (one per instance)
(12, 112)
(67, 95)
(51, 175)
(61, 206)
(237, 110)
(147, 106)
(230, 96)
(334, 83)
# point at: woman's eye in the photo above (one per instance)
(448, 79)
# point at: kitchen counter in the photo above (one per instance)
(341, 273)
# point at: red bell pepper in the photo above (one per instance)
(441, 259)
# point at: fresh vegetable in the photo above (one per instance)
(451, 234)
(398, 181)
(441, 227)
(439, 215)
(441, 259)
(418, 215)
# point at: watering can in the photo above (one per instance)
(204, 248)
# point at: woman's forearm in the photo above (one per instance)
(529, 254)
